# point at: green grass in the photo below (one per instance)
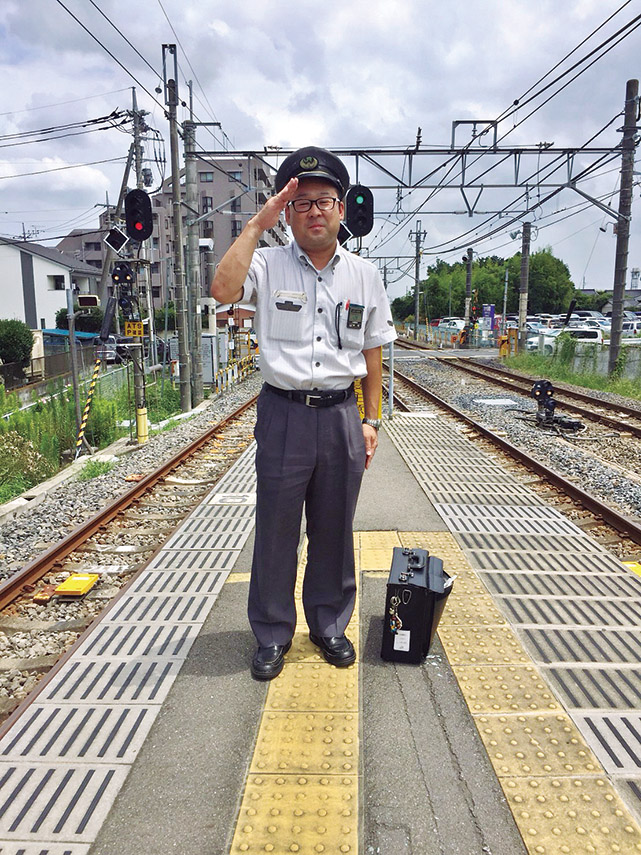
(94, 468)
(553, 368)
(13, 487)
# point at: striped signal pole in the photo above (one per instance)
(85, 415)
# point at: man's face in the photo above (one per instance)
(315, 230)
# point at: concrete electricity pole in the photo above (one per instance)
(419, 236)
(171, 99)
(468, 259)
(623, 222)
(524, 282)
(193, 261)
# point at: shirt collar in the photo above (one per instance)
(304, 259)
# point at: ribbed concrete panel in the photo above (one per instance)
(123, 682)
(596, 688)
(221, 523)
(480, 474)
(40, 801)
(240, 498)
(179, 582)
(218, 513)
(631, 790)
(194, 560)
(162, 609)
(448, 494)
(21, 847)
(615, 739)
(584, 645)
(547, 562)
(87, 733)
(569, 612)
(531, 520)
(526, 544)
(140, 641)
(564, 585)
(207, 540)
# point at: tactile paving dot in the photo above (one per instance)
(482, 645)
(379, 539)
(314, 687)
(571, 816)
(536, 745)
(375, 558)
(504, 688)
(313, 815)
(468, 585)
(312, 743)
(471, 611)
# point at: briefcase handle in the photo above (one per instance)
(416, 561)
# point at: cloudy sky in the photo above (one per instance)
(359, 74)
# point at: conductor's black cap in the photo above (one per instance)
(312, 162)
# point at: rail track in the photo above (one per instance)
(413, 395)
(115, 544)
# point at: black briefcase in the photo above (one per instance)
(417, 589)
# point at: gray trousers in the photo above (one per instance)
(312, 458)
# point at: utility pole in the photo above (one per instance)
(142, 426)
(524, 282)
(504, 301)
(418, 235)
(193, 259)
(623, 221)
(171, 99)
(468, 259)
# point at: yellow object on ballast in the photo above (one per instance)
(78, 584)
(635, 566)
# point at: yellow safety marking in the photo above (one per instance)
(635, 566)
(481, 645)
(561, 799)
(238, 577)
(378, 540)
(375, 559)
(301, 794)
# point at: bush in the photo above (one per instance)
(16, 342)
(89, 321)
(94, 468)
(21, 465)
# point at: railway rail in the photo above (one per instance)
(621, 523)
(114, 544)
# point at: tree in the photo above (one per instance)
(16, 342)
(550, 286)
(89, 321)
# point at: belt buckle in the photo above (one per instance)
(310, 398)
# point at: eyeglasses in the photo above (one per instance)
(325, 203)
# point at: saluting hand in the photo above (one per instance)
(269, 214)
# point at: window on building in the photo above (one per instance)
(56, 283)
(208, 229)
(155, 243)
(155, 267)
(235, 175)
(155, 292)
(208, 204)
(92, 246)
(236, 228)
(235, 203)
(206, 177)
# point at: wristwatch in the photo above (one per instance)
(375, 423)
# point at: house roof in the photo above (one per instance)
(53, 254)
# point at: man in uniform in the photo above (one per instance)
(322, 316)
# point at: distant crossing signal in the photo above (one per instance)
(359, 205)
(139, 221)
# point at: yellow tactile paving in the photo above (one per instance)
(302, 791)
(481, 645)
(561, 799)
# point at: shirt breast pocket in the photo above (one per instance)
(286, 316)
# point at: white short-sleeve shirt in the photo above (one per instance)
(312, 326)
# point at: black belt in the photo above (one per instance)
(314, 398)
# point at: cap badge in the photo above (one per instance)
(309, 162)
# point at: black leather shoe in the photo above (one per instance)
(338, 649)
(268, 661)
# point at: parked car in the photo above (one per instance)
(451, 325)
(586, 334)
(630, 328)
(114, 349)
